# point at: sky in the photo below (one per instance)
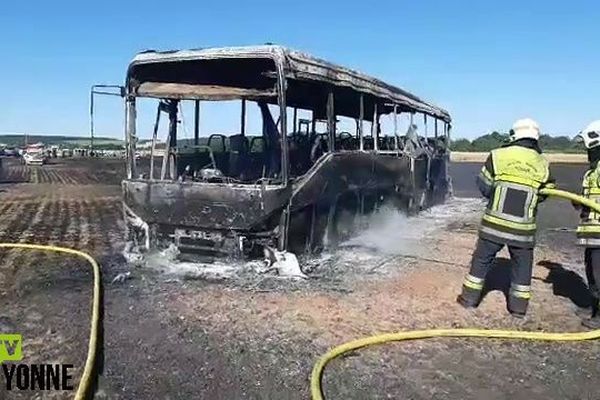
(488, 63)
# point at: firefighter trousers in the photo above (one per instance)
(592, 270)
(520, 274)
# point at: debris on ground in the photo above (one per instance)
(284, 262)
(121, 277)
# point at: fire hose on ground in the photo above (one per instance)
(317, 372)
(87, 378)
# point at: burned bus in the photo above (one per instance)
(291, 186)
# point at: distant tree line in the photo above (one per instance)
(109, 146)
(556, 144)
(69, 142)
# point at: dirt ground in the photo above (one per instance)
(170, 339)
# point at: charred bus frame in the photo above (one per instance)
(300, 184)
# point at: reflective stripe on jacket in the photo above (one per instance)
(516, 175)
(588, 231)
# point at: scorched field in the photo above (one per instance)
(171, 337)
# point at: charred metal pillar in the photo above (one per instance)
(361, 119)
(396, 144)
(447, 157)
(173, 107)
(105, 90)
(295, 120)
(196, 122)
(131, 136)
(92, 119)
(243, 118)
(428, 177)
(331, 120)
(281, 99)
(284, 220)
(154, 136)
(171, 142)
(126, 134)
(375, 128)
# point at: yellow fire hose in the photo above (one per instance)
(317, 372)
(87, 377)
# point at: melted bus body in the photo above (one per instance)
(293, 183)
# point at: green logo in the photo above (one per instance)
(11, 348)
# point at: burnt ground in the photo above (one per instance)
(238, 339)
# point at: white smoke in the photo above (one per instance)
(389, 232)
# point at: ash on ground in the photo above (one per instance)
(387, 238)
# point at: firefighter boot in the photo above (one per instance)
(471, 292)
(588, 312)
(469, 298)
(517, 306)
(594, 321)
(584, 312)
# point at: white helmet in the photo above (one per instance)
(590, 136)
(525, 128)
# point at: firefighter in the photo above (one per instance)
(588, 231)
(510, 179)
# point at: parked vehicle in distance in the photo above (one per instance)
(66, 153)
(34, 155)
(9, 152)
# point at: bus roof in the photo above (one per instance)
(149, 75)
